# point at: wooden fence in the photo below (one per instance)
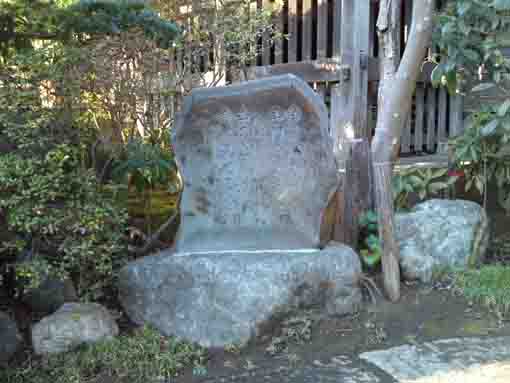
(332, 44)
(333, 40)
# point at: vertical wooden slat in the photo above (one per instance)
(279, 19)
(322, 28)
(431, 118)
(362, 46)
(338, 118)
(418, 126)
(337, 28)
(255, 47)
(405, 141)
(266, 40)
(293, 30)
(358, 197)
(456, 115)
(343, 95)
(307, 19)
(347, 23)
(442, 115)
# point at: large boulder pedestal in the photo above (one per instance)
(440, 234)
(225, 298)
(259, 169)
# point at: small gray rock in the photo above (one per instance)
(73, 324)
(441, 233)
(221, 298)
(50, 295)
(10, 338)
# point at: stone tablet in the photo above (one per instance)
(258, 166)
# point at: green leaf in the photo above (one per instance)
(437, 186)
(436, 76)
(503, 109)
(439, 173)
(490, 128)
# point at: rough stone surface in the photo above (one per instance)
(480, 360)
(441, 233)
(73, 324)
(10, 338)
(258, 166)
(50, 296)
(222, 298)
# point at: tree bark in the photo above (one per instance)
(396, 88)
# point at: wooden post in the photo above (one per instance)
(357, 190)
(383, 173)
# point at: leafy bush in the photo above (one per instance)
(370, 244)
(483, 150)
(471, 35)
(57, 218)
(424, 183)
(57, 213)
(143, 357)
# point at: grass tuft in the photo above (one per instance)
(143, 357)
(489, 285)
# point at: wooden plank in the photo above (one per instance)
(358, 197)
(362, 45)
(307, 19)
(322, 28)
(337, 122)
(456, 115)
(431, 118)
(293, 30)
(337, 28)
(428, 161)
(279, 19)
(321, 70)
(418, 126)
(442, 115)
(405, 140)
(266, 40)
(310, 71)
(347, 23)
(255, 47)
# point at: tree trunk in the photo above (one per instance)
(396, 88)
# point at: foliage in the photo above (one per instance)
(143, 357)
(220, 39)
(58, 213)
(424, 182)
(59, 221)
(26, 20)
(370, 244)
(489, 285)
(146, 166)
(471, 35)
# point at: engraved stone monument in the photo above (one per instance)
(258, 166)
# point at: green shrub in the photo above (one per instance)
(56, 211)
(144, 357)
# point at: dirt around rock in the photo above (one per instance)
(424, 313)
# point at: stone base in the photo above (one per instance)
(221, 298)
